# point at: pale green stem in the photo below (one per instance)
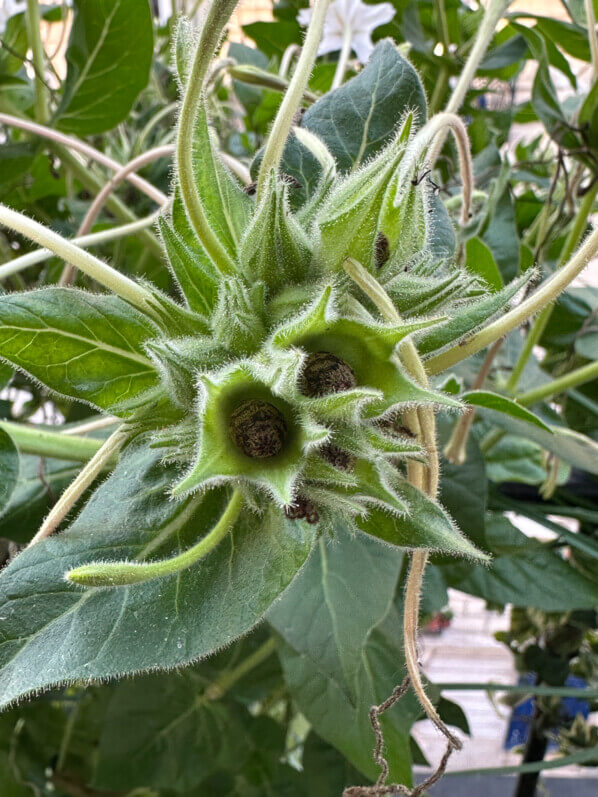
(544, 296)
(92, 426)
(90, 265)
(593, 37)
(211, 32)
(456, 449)
(171, 108)
(574, 236)
(343, 58)
(574, 378)
(437, 126)
(218, 688)
(117, 178)
(541, 691)
(292, 99)
(116, 574)
(45, 443)
(494, 11)
(287, 58)
(423, 424)
(104, 236)
(75, 144)
(86, 477)
(33, 19)
(236, 167)
(259, 77)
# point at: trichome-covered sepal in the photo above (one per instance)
(370, 350)
(249, 434)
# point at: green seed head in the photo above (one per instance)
(258, 429)
(326, 373)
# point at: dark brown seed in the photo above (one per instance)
(381, 250)
(326, 373)
(291, 181)
(251, 189)
(258, 429)
(337, 457)
(302, 509)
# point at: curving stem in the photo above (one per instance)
(290, 103)
(117, 574)
(422, 423)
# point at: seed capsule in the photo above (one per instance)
(337, 457)
(258, 429)
(381, 250)
(326, 373)
(302, 509)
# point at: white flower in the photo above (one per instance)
(8, 8)
(354, 16)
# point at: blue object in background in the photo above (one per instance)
(522, 715)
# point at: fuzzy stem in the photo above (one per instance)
(33, 20)
(287, 58)
(33, 258)
(211, 33)
(90, 265)
(284, 118)
(45, 443)
(92, 426)
(343, 58)
(544, 296)
(438, 126)
(592, 36)
(574, 378)
(574, 236)
(85, 149)
(423, 423)
(236, 167)
(116, 574)
(85, 479)
(218, 688)
(494, 12)
(456, 448)
(96, 206)
(255, 76)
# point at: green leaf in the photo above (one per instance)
(469, 318)
(9, 469)
(54, 632)
(81, 345)
(513, 459)
(108, 57)
(162, 731)
(340, 656)
(39, 483)
(464, 488)
(227, 207)
(325, 770)
(191, 266)
(498, 403)
(568, 445)
(502, 237)
(523, 572)
(426, 525)
(480, 261)
(358, 119)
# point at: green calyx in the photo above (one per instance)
(273, 374)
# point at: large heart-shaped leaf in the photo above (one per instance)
(9, 469)
(109, 57)
(342, 648)
(523, 572)
(81, 345)
(356, 120)
(52, 632)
